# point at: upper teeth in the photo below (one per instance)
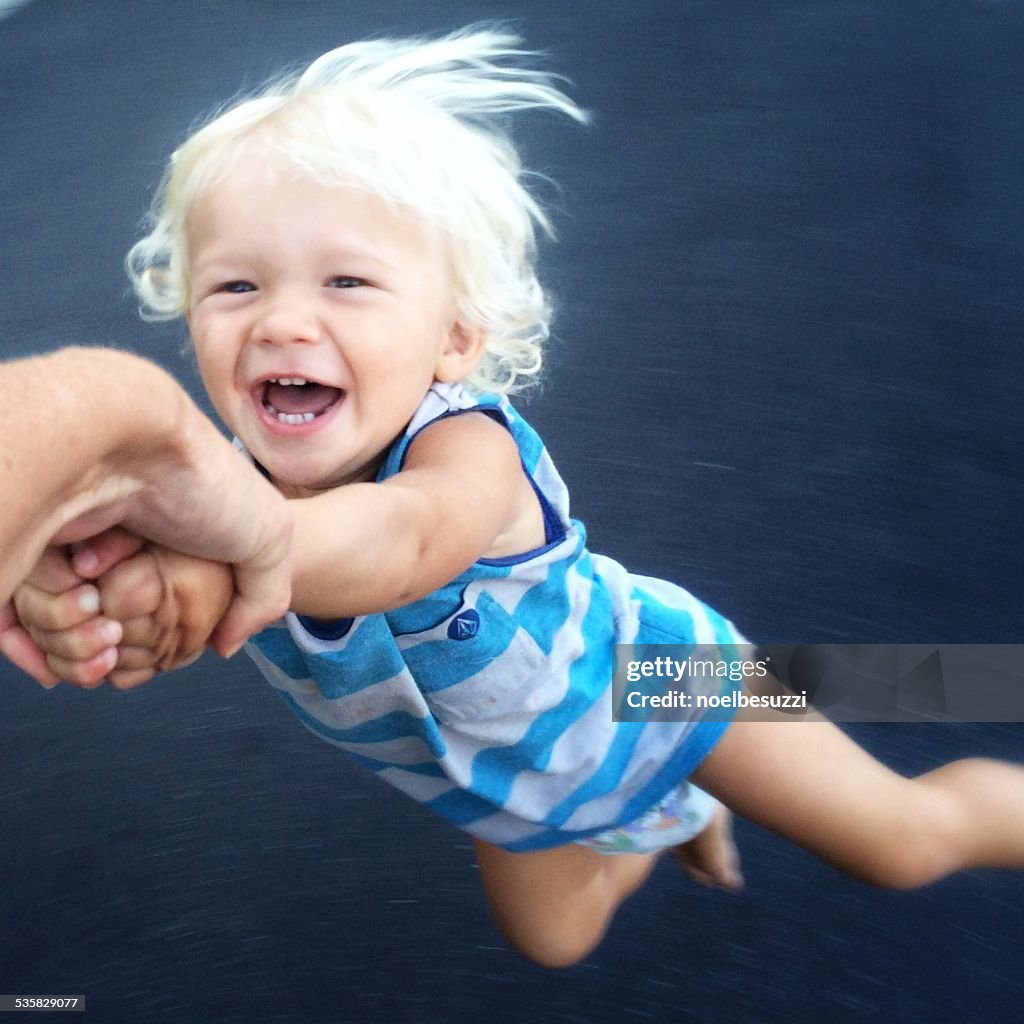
(291, 418)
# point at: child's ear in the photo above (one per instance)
(463, 350)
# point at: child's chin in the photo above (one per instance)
(291, 489)
(293, 484)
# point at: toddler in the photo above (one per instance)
(353, 252)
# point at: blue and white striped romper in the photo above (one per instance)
(490, 700)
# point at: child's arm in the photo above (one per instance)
(461, 495)
(157, 606)
(357, 549)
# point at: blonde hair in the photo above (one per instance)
(417, 123)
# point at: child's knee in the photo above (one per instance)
(551, 931)
(901, 868)
(554, 906)
(923, 848)
(553, 943)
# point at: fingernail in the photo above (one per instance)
(232, 651)
(111, 632)
(47, 686)
(89, 600)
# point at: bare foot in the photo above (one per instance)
(711, 858)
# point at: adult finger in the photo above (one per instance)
(53, 573)
(263, 586)
(18, 647)
(8, 616)
(249, 613)
(93, 557)
(263, 583)
(81, 643)
(57, 611)
(87, 674)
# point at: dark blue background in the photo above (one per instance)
(785, 374)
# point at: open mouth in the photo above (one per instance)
(295, 400)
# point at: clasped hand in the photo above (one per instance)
(116, 608)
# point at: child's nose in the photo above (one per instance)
(287, 321)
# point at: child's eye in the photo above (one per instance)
(344, 281)
(236, 287)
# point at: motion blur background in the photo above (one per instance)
(784, 374)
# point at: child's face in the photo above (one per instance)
(328, 287)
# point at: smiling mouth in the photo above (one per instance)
(295, 400)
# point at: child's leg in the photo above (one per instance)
(553, 906)
(809, 782)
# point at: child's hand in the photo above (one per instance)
(158, 607)
(168, 605)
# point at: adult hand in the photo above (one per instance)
(99, 438)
